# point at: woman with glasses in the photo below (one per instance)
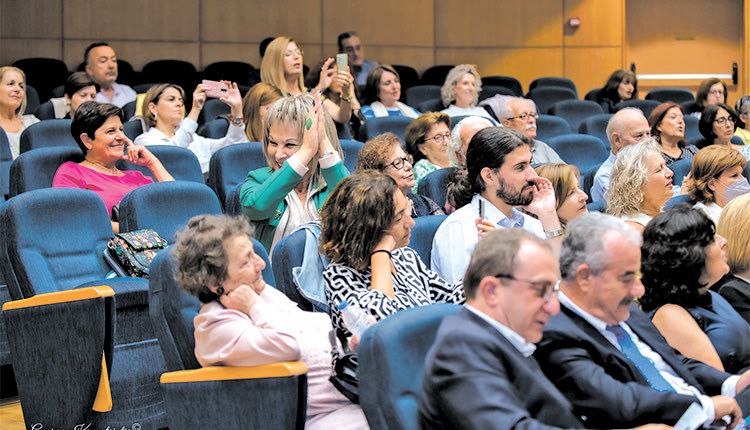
(282, 67)
(365, 229)
(742, 108)
(427, 142)
(717, 125)
(710, 91)
(681, 258)
(384, 153)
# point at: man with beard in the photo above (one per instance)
(519, 114)
(499, 177)
(101, 65)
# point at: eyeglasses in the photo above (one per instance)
(439, 138)
(297, 53)
(717, 92)
(524, 116)
(399, 162)
(723, 120)
(544, 289)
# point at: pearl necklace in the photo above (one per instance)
(101, 166)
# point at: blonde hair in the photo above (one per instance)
(293, 111)
(3, 70)
(152, 96)
(272, 66)
(629, 176)
(456, 73)
(709, 163)
(734, 224)
(564, 178)
(260, 94)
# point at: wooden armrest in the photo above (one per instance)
(222, 373)
(60, 297)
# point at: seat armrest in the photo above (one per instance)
(222, 373)
(60, 297)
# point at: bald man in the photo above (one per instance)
(626, 127)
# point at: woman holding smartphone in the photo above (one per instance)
(339, 99)
(163, 110)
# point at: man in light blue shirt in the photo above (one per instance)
(350, 45)
(101, 65)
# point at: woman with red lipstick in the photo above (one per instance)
(304, 164)
(97, 128)
(621, 85)
(640, 184)
(717, 125)
(365, 229)
(668, 128)
(681, 258)
(12, 105)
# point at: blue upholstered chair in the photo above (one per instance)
(6, 158)
(646, 106)
(391, 361)
(680, 168)
(670, 94)
(180, 162)
(52, 132)
(553, 81)
(350, 148)
(408, 75)
(596, 125)
(436, 75)
(166, 207)
(132, 129)
(581, 150)
(431, 105)
(230, 165)
(377, 126)
(591, 95)
(32, 100)
(691, 128)
(80, 342)
(45, 111)
(44, 74)
(422, 234)
(435, 185)
(575, 111)
(270, 397)
(288, 254)
(234, 71)
(548, 126)
(492, 90)
(545, 97)
(213, 108)
(509, 82)
(422, 93)
(214, 128)
(177, 72)
(674, 201)
(587, 180)
(597, 206)
(36, 169)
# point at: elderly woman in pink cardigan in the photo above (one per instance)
(245, 322)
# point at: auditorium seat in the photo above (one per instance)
(377, 126)
(575, 111)
(180, 162)
(596, 125)
(350, 149)
(45, 111)
(133, 128)
(492, 90)
(36, 169)
(646, 106)
(271, 396)
(6, 159)
(548, 126)
(32, 100)
(674, 201)
(287, 259)
(234, 71)
(581, 150)
(422, 93)
(422, 234)
(230, 165)
(214, 129)
(587, 180)
(43, 74)
(509, 82)
(435, 185)
(44, 134)
(670, 94)
(435, 75)
(691, 128)
(553, 81)
(213, 108)
(408, 75)
(392, 357)
(432, 105)
(680, 168)
(178, 72)
(545, 97)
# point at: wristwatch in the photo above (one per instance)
(237, 120)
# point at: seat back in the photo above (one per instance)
(377, 126)
(166, 207)
(492, 90)
(213, 108)
(436, 75)
(36, 169)
(597, 206)
(32, 100)
(181, 163)
(680, 168)
(691, 128)
(671, 94)
(545, 97)
(422, 234)
(646, 106)
(548, 126)
(432, 105)
(408, 75)
(391, 361)
(509, 82)
(52, 132)
(44, 74)
(435, 185)
(177, 72)
(581, 150)
(674, 201)
(596, 125)
(288, 254)
(230, 165)
(553, 81)
(422, 93)
(6, 159)
(132, 129)
(215, 128)
(575, 111)
(234, 71)
(45, 111)
(591, 95)
(351, 149)
(588, 181)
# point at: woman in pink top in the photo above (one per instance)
(245, 322)
(97, 128)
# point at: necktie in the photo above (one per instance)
(647, 368)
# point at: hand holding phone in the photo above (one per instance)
(215, 88)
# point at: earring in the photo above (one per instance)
(220, 291)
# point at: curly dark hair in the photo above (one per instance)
(673, 257)
(356, 216)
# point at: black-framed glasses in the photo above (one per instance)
(439, 138)
(544, 289)
(399, 162)
(524, 116)
(723, 120)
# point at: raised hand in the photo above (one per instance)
(483, 226)
(326, 75)
(543, 200)
(233, 97)
(199, 97)
(138, 154)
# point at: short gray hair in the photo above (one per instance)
(505, 110)
(615, 123)
(456, 73)
(585, 239)
(454, 144)
(629, 177)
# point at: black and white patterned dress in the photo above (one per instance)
(414, 285)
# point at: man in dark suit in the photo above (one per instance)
(479, 373)
(604, 353)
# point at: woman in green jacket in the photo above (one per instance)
(304, 165)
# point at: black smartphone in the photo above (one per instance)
(481, 209)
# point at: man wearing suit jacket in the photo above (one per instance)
(479, 373)
(589, 348)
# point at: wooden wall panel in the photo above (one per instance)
(492, 23)
(31, 18)
(163, 20)
(16, 49)
(590, 67)
(419, 58)
(601, 22)
(138, 53)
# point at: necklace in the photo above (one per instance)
(101, 166)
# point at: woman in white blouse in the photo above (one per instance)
(12, 105)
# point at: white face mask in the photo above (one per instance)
(735, 189)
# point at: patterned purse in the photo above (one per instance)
(131, 253)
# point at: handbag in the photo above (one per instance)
(344, 370)
(131, 253)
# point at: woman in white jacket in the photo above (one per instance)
(163, 110)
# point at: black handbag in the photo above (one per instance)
(130, 254)
(344, 374)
